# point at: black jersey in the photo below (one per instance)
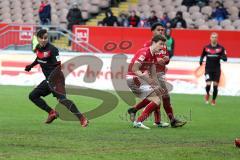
(48, 58)
(213, 57)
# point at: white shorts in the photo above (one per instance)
(138, 86)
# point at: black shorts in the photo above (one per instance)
(44, 89)
(212, 76)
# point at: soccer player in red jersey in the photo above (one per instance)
(142, 78)
(162, 61)
(47, 56)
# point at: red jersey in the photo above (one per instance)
(143, 56)
(164, 52)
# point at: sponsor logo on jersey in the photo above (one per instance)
(141, 58)
(42, 54)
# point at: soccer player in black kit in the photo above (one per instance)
(49, 61)
(214, 53)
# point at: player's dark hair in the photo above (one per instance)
(154, 26)
(158, 38)
(41, 32)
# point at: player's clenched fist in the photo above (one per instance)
(28, 68)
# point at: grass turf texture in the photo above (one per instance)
(209, 134)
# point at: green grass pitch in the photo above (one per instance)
(209, 134)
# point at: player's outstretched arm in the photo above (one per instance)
(30, 66)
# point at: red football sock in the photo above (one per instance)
(147, 111)
(157, 115)
(168, 107)
(142, 104)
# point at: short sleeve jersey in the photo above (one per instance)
(144, 57)
(161, 54)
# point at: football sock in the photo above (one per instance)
(215, 92)
(40, 103)
(168, 107)
(142, 104)
(147, 111)
(208, 88)
(157, 115)
(71, 107)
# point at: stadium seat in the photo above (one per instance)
(206, 10)
(182, 8)
(158, 8)
(217, 27)
(228, 3)
(196, 15)
(143, 2)
(146, 8)
(171, 14)
(85, 15)
(229, 27)
(199, 22)
(104, 4)
(189, 22)
(212, 23)
(28, 17)
(186, 15)
(236, 23)
(5, 10)
(225, 23)
(203, 27)
(132, 7)
(169, 8)
(233, 10)
(154, 3)
(234, 17)
(177, 3)
(194, 9)
(94, 9)
(4, 4)
(165, 3)
(95, 2)
(85, 7)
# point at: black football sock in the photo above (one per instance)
(71, 107)
(208, 88)
(41, 104)
(215, 92)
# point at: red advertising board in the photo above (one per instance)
(129, 40)
(126, 40)
(15, 34)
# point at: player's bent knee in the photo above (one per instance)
(32, 96)
(61, 98)
(156, 100)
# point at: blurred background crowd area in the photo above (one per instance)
(192, 14)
